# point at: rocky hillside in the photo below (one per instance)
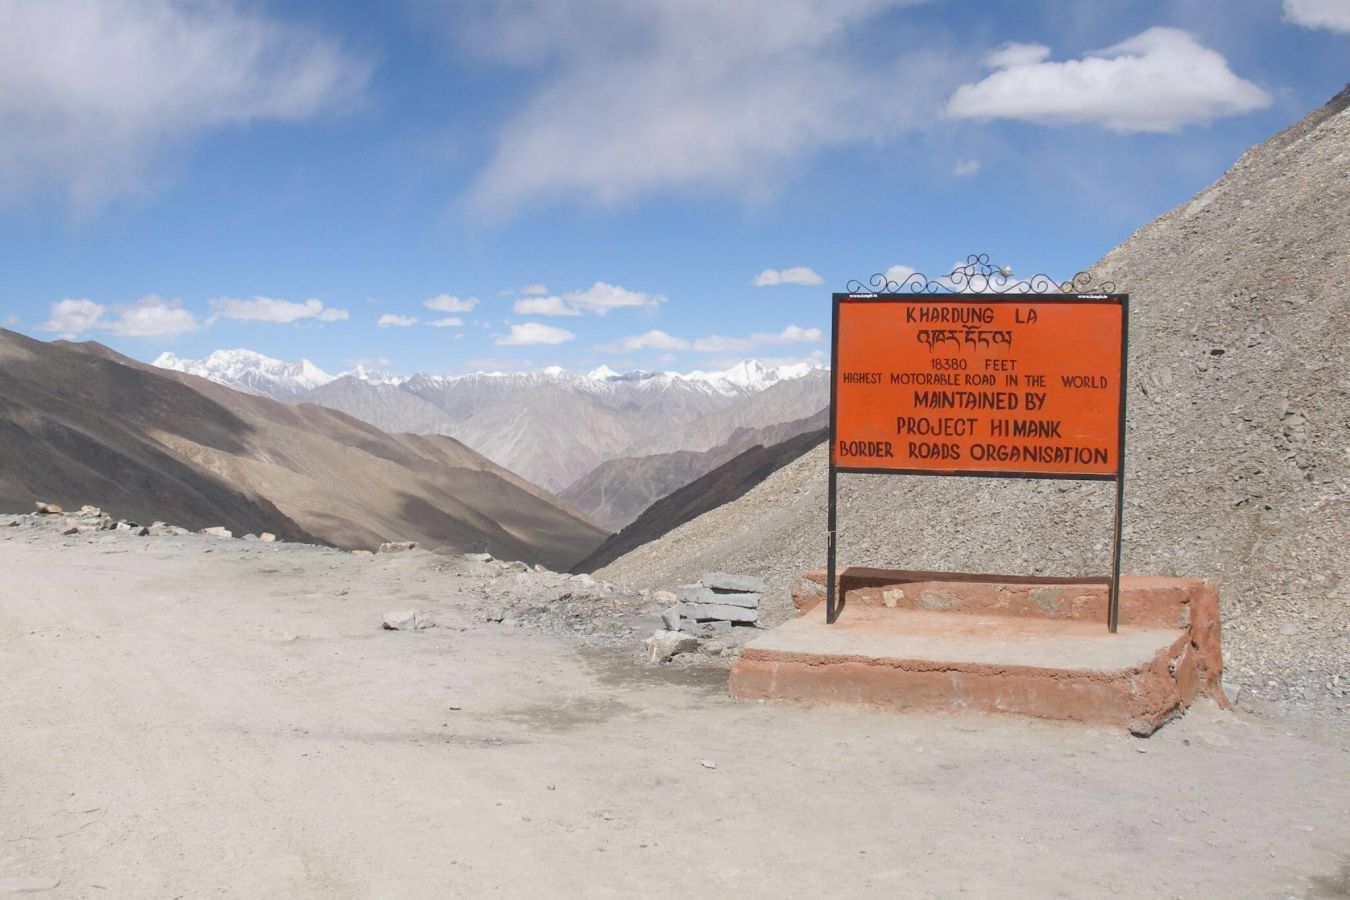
(1238, 442)
(82, 424)
(716, 488)
(616, 492)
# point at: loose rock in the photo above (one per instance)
(408, 620)
(397, 546)
(663, 645)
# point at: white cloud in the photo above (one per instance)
(637, 98)
(543, 306)
(72, 317)
(94, 92)
(794, 275)
(10, 321)
(534, 289)
(1160, 80)
(598, 299)
(447, 322)
(268, 309)
(1330, 14)
(151, 315)
(899, 273)
(449, 304)
(965, 167)
(394, 320)
(648, 340)
(534, 333)
(792, 334)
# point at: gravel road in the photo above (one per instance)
(194, 716)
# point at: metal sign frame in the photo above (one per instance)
(978, 281)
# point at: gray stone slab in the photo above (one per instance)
(721, 612)
(741, 584)
(695, 593)
(699, 594)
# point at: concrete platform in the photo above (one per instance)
(978, 653)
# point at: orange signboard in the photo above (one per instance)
(979, 385)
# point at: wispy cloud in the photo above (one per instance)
(532, 333)
(269, 309)
(803, 275)
(1160, 80)
(648, 340)
(599, 299)
(447, 322)
(94, 92)
(450, 304)
(394, 320)
(653, 97)
(544, 306)
(792, 334)
(964, 168)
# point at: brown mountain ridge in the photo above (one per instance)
(80, 423)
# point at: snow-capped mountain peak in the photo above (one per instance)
(372, 376)
(250, 372)
(254, 373)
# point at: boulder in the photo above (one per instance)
(663, 645)
(407, 620)
(397, 546)
(91, 511)
(48, 509)
(217, 531)
(733, 584)
(267, 537)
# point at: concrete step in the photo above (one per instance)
(914, 659)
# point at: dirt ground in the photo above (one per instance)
(198, 717)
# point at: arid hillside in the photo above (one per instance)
(81, 424)
(1238, 439)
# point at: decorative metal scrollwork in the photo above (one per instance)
(979, 276)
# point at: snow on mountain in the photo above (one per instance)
(552, 425)
(371, 376)
(251, 373)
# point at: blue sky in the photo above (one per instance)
(583, 182)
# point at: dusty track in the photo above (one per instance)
(192, 717)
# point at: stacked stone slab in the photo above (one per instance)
(717, 598)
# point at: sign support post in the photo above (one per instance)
(978, 375)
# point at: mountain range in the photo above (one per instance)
(552, 427)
